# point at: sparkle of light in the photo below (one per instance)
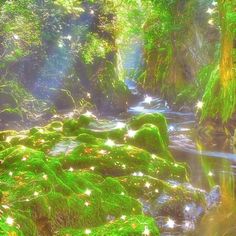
(210, 174)
(71, 169)
(147, 185)
(187, 208)
(120, 125)
(60, 45)
(69, 37)
(110, 143)
(16, 37)
(45, 177)
(88, 113)
(10, 220)
(88, 192)
(210, 11)
(148, 99)
(131, 133)
(214, 3)
(146, 231)
(170, 223)
(103, 152)
(88, 231)
(211, 22)
(199, 105)
(171, 128)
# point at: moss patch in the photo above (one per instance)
(66, 177)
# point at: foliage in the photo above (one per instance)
(94, 47)
(218, 103)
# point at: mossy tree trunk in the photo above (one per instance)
(227, 42)
(220, 92)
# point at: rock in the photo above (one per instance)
(7, 101)
(156, 119)
(71, 126)
(149, 138)
(213, 198)
(9, 114)
(129, 225)
(63, 100)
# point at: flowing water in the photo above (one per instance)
(212, 161)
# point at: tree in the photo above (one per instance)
(227, 17)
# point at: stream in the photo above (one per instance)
(212, 160)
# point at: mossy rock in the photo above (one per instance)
(114, 134)
(87, 138)
(71, 126)
(62, 99)
(131, 225)
(91, 184)
(122, 160)
(55, 126)
(7, 101)
(149, 138)
(5, 133)
(4, 145)
(156, 119)
(11, 114)
(60, 199)
(39, 138)
(164, 198)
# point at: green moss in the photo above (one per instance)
(122, 160)
(90, 184)
(5, 133)
(114, 134)
(137, 186)
(132, 225)
(149, 138)
(156, 119)
(70, 126)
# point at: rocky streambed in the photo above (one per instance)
(72, 177)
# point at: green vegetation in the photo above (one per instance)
(54, 182)
(87, 55)
(65, 172)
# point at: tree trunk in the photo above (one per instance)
(227, 41)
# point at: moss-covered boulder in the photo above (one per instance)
(149, 138)
(135, 225)
(156, 119)
(71, 126)
(122, 160)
